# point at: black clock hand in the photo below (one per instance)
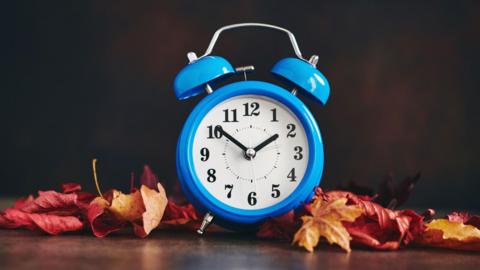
(228, 136)
(266, 142)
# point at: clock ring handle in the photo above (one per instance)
(296, 49)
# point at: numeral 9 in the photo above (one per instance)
(205, 154)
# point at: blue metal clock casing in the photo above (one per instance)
(299, 74)
(223, 213)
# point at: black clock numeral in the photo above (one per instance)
(211, 175)
(254, 105)
(291, 175)
(229, 188)
(298, 155)
(275, 191)
(233, 113)
(274, 115)
(205, 154)
(252, 198)
(291, 128)
(213, 133)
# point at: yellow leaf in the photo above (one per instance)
(127, 207)
(326, 221)
(308, 235)
(155, 204)
(454, 230)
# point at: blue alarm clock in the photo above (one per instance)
(249, 150)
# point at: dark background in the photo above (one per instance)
(85, 79)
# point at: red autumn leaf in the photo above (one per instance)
(179, 214)
(51, 212)
(21, 202)
(5, 223)
(148, 178)
(102, 222)
(378, 227)
(282, 227)
(71, 187)
(53, 203)
(83, 201)
(12, 218)
(51, 224)
(465, 218)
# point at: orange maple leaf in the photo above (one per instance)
(326, 221)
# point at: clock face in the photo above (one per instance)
(250, 152)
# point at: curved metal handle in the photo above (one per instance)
(296, 49)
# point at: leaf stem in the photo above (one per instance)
(94, 166)
(132, 181)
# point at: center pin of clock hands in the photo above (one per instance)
(252, 152)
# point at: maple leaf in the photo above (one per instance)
(445, 233)
(326, 221)
(378, 227)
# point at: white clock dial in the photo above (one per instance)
(256, 157)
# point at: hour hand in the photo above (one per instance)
(266, 142)
(232, 139)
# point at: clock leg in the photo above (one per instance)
(207, 219)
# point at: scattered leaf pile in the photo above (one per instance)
(143, 209)
(344, 218)
(340, 217)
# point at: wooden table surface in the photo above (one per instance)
(184, 250)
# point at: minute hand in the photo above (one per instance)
(266, 142)
(228, 136)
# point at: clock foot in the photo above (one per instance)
(207, 219)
